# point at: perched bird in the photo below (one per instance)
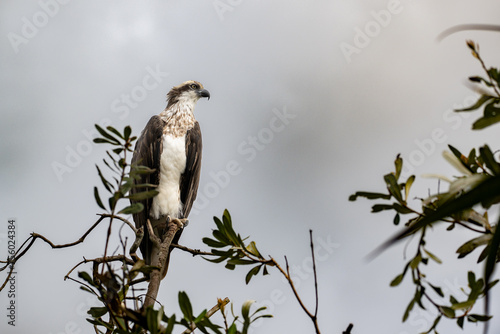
(171, 145)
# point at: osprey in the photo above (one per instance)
(171, 145)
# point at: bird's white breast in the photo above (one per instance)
(172, 165)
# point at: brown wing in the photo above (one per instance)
(191, 176)
(147, 153)
(189, 179)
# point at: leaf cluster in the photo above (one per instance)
(480, 184)
(245, 320)
(112, 292)
(229, 246)
(490, 98)
(123, 175)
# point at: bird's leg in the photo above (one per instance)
(156, 241)
(181, 222)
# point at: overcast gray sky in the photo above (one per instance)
(310, 100)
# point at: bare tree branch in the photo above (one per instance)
(101, 260)
(31, 240)
(164, 245)
(194, 252)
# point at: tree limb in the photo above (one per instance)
(164, 245)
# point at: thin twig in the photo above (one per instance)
(286, 274)
(292, 285)
(315, 276)
(493, 83)
(31, 239)
(192, 251)
(348, 330)
(155, 277)
(101, 260)
(119, 218)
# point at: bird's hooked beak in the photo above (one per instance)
(203, 93)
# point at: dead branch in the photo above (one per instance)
(132, 227)
(31, 240)
(348, 330)
(101, 260)
(286, 274)
(164, 245)
(194, 252)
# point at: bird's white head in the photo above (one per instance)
(187, 93)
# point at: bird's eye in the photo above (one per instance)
(194, 86)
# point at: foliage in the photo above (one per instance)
(123, 177)
(466, 204)
(490, 97)
(237, 252)
(115, 289)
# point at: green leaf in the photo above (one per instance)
(152, 320)
(432, 256)
(99, 322)
(134, 208)
(143, 195)
(397, 219)
(382, 207)
(402, 209)
(416, 261)
(213, 243)
(482, 100)
(245, 309)
(397, 280)
(139, 169)
(398, 163)
(463, 305)
(107, 135)
(84, 288)
(471, 279)
(434, 324)
(170, 324)
(252, 248)
(489, 160)
(126, 132)
(230, 266)
(238, 261)
(86, 277)
(447, 311)
(185, 305)
(472, 244)
(408, 185)
(368, 195)
(103, 141)
(408, 309)
(105, 182)
(97, 312)
(478, 317)
(118, 150)
(491, 116)
(265, 272)
(98, 198)
(438, 290)
(219, 235)
(232, 329)
(116, 132)
(253, 272)
(393, 187)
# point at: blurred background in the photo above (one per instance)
(311, 101)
